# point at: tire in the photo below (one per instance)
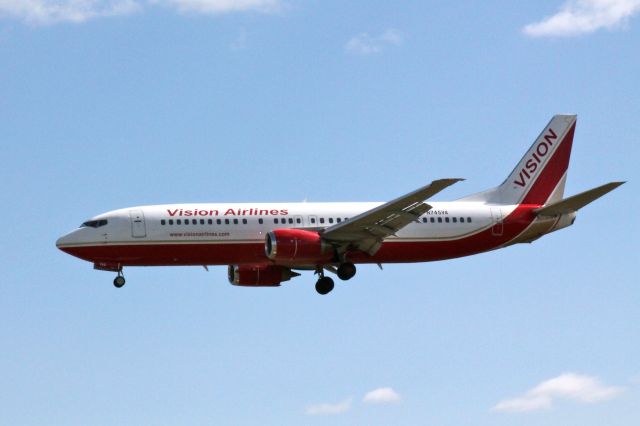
(324, 285)
(346, 271)
(119, 281)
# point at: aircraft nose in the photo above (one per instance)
(64, 241)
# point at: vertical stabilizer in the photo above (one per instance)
(540, 176)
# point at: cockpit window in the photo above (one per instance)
(94, 223)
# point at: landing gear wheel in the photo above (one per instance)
(324, 285)
(346, 271)
(119, 281)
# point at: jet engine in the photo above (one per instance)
(297, 245)
(259, 275)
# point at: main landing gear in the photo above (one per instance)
(119, 281)
(345, 271)
(324, 285)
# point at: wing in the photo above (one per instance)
(367, 230)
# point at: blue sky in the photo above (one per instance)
(108, 104)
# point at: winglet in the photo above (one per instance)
(576, 202)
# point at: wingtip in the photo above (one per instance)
(446, 182)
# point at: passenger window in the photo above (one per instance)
(455, 220)
(446, 219)
(338, 219)
(322, 220)
(210, 221)
(298, 220)
(219, 221)
(330, 220)
(235, 221)
(186, 221)
(433, 219)
(195, 221)
(226, 221)
(178, 222)
(439, 220)
(469, 220)
(424, 220)
(291, 220)
(462, 220)
(201, 221)
(170, 221)
(162, 222)
(313, 220)
(260, 221)
(244, 221)
(275, 220)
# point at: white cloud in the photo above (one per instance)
(77, 11)
(578, 17)
(576, 387)
(381, 396)
(223, 6)
(326, 409)
(50, 11)
(365, 44)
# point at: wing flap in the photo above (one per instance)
(367, 230)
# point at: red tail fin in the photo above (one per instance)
(540, 175)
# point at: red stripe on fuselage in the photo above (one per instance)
(392, 251)
(423, 251)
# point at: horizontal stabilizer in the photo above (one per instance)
(576, 202)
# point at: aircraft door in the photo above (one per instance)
(498, 225)
(138, 227)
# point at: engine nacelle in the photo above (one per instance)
(297, 245)
(259, 275)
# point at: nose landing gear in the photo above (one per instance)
(119, 281)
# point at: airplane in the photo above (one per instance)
(266, 244)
